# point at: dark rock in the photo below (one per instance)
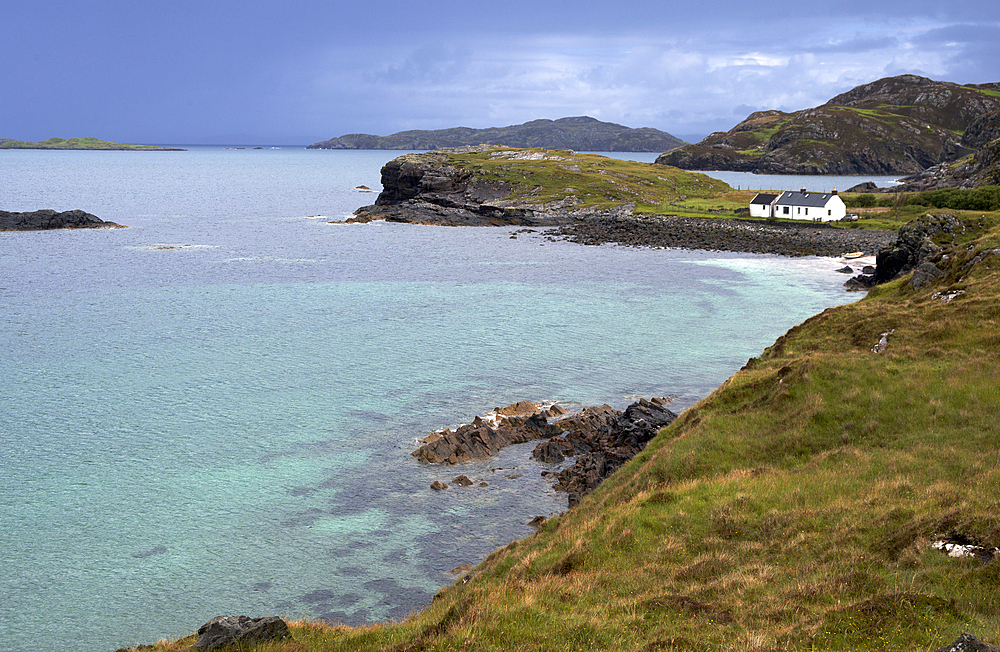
(50, 219)
(538, 521)
(479, 440)
(867, 186)
(437, 485)
(846, 269)
(462, 481)
(969, 643)
(603, 442)
(225, 631)
(914, 246)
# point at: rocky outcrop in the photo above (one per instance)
(578, 133)
(896, 125)
(603, 449)
(914, 250)
(601, 438)
(50, 219)
(427, 189)
(226, 631)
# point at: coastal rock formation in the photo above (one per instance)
(225, 631)
(914, 250)
(896, 125)
(601, 450)
(482, 439)
(428, 189)
(50, 219)
(601, 438)
(578, 133)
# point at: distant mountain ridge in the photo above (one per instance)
(896, 125)
(581, 133)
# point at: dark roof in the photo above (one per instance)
(764, 198)
(818, 199)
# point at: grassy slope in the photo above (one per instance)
(792, 509)
(70, 143)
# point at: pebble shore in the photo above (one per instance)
(748, 236)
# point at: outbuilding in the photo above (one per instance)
(762, 205)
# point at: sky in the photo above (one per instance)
(299, 71)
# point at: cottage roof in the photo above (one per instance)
(764, 198)
(818, 199)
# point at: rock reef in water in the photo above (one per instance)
(50, 219)
(601, 438)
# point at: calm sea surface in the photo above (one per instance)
(212, 411)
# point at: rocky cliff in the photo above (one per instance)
(897, 125)
(981, 168)
(578, 133)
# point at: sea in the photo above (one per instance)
(211, 412)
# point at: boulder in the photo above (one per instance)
(969, 643)
(226, 631)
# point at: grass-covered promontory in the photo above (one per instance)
(795, 508)
(79, 143)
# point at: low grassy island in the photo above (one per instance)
(840, 492)
(81, 143)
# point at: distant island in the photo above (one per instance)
(81, 143)
(578, 133)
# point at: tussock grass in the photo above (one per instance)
(792, 509)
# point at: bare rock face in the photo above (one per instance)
(50, 219)
(224, 631)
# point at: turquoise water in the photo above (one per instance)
(224, 426)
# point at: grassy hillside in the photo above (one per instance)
(75, 143)
(794, 508)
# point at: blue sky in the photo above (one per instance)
(299, 71)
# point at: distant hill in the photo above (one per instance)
(896, 125)
(579, 133)
(79, 143)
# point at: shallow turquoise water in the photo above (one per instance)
(225, 427)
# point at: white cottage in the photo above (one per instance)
(815, 206)
(802, 205)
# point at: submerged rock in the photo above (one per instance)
(50, 219)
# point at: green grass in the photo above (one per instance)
(792, 509)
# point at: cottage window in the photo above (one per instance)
(807, 211)
(786, 210)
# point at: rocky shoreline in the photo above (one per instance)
(739, 235)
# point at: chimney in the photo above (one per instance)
(835, 190)
(803, 188)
